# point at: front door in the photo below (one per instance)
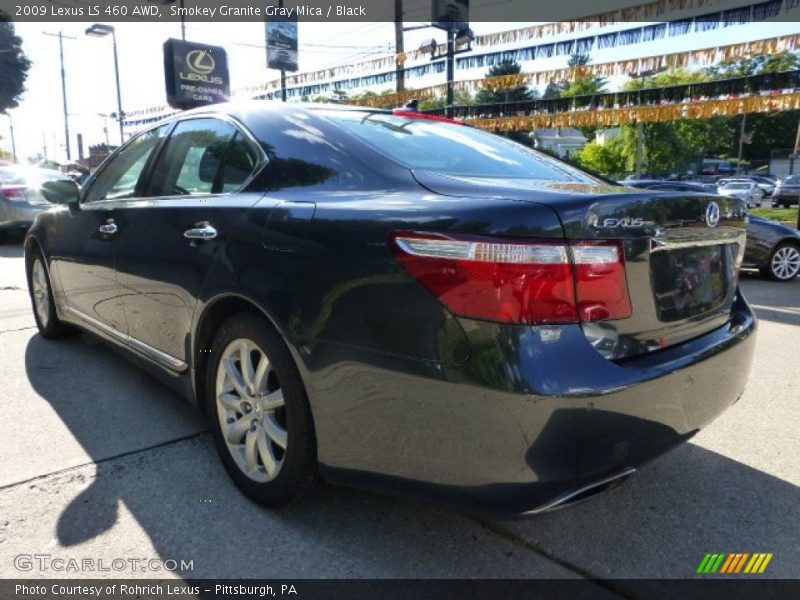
(168, 240)
(84, 252)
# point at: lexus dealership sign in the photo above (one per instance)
(195, 74)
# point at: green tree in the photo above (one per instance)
(583, 84)
(13, 65)
(755, 64)
(607, 158)
(460, 97)
(667, 79)
(515, 94)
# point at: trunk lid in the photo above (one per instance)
(682, 251)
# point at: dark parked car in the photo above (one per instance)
(402, 303)
(773, 249)
(671, 186)
(787, 192)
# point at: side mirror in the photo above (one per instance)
(61, 191)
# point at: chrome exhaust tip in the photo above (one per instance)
(583, 493)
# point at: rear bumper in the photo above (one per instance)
(529, 422)
(17, 215)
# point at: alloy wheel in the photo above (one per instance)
(41, 292)
(785, 263)
(251, 410)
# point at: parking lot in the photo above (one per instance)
(100, 460)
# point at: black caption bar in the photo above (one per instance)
(604, 11)
(389, 589)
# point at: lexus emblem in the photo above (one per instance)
(712, 214)
(200, 61)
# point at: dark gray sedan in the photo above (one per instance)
(773, 249)
(787, 192)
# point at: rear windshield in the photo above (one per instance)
(451, 148)
(793, 179)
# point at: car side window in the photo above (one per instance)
(240, 162)
(119, 179)
(193, 160)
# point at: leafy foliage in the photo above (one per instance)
(673, 146)
(13, 65)
(516, 94)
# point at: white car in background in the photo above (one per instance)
(745, 189)
(21, 198)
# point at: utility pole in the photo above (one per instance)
(639, 148)
(451, 63)
(283, 71)
(399, 47)
(183, 22)
(741, 143)
(11, 131)
(61, 37)
(794, 152)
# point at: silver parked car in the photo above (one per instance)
(744, 189)
(21, 198)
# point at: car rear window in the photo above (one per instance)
(451, 148)
(794, 179)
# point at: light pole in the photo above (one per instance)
(101, 30)
(61, 37)
(13, 141)
(458, 42)
(105, 128)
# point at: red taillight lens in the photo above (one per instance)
(517, 282)
(601, 288)
(13, 194)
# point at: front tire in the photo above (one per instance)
(259, 412)
(784, 262)
(42, 301)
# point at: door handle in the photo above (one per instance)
(201, 231)
(109, 227)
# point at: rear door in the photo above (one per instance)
(168, 240)
(83, 250)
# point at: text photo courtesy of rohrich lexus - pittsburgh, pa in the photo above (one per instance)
(415, 299)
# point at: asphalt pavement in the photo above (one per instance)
(99, 460)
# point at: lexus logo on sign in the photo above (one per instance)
(712, 214)
(200, 62)
(195, 74)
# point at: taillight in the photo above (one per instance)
(13, 194)
(530, 282)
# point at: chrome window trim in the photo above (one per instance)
(261, 158)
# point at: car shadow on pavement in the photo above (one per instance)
(658, 524)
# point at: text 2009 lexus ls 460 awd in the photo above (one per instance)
(400, 302)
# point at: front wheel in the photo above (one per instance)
(784, 262)
(44, 306)
(259, 412)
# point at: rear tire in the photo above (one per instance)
(42, 301)
(784, 262)
(259, 412)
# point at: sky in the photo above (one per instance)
(89, 67)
